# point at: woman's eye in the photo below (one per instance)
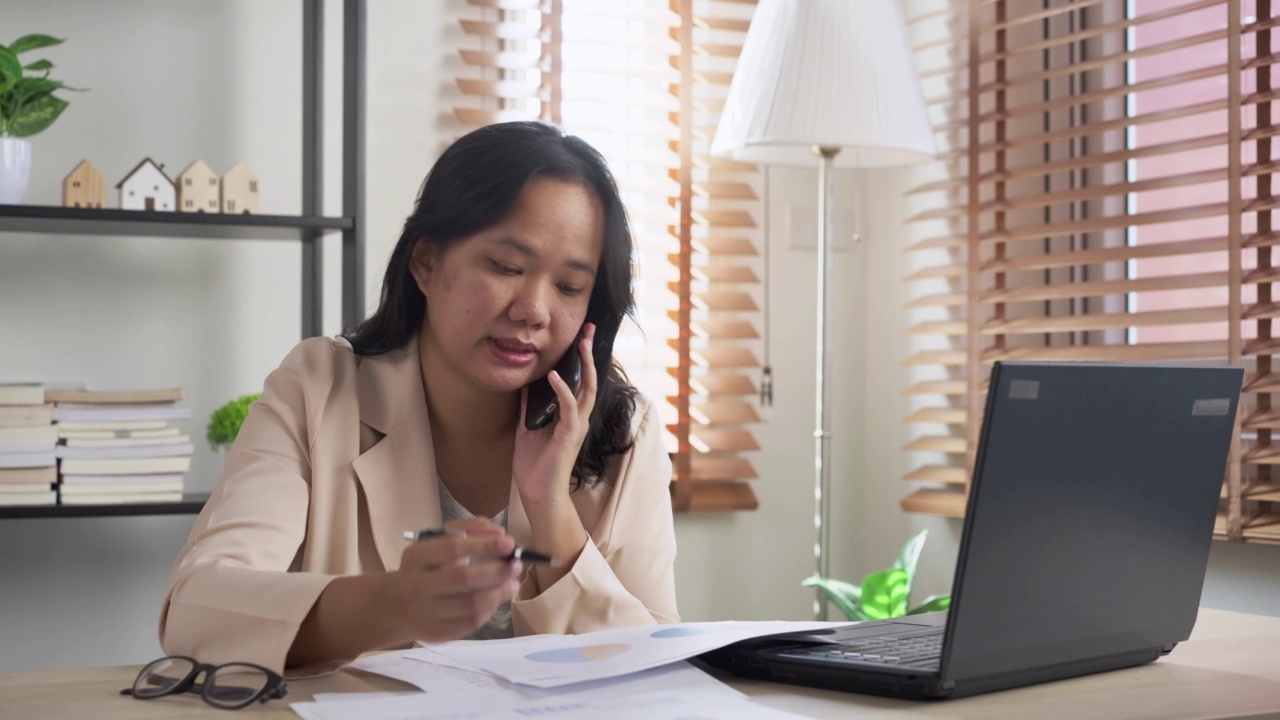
(570, 290)
(505, 269)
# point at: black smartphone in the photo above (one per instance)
(543, 403)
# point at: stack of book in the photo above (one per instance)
(121, 447)
(28, 439)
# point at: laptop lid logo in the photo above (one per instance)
(1024, 389)
(1211, 406)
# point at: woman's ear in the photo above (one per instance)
(422, 260)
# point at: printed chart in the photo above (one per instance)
(585, 653)
(549, 661)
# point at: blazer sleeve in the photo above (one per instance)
(231, 596)
(626, 573)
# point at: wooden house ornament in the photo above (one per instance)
(84, 187)
(146, 187)
(198, 189)
(240, 190)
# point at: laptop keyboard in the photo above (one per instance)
(918, 652)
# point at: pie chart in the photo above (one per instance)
(585, 653)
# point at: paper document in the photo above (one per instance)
(452, 692)
(451, 684)
(654, 706)
(346, 696)
(553, 660)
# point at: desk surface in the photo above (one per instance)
(1230, 668)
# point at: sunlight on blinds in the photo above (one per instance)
(1113, 203)
(616, 70)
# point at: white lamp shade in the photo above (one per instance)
(835, 73)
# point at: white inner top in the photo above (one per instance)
(499, 626)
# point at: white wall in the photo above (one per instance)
(181, 79)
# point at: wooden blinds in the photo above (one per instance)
(643, 81)
(1105, 195)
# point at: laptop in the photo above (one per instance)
(1084, 546)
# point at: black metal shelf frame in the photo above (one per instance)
(190, 504)
(51, 219)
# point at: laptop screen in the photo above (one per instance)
(1091, 513)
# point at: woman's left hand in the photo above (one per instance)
(544, 458)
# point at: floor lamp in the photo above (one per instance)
(830, 81)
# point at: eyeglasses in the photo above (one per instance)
(230, 686)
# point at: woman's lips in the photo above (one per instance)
(513, 352)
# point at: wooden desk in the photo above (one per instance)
(1229, 669)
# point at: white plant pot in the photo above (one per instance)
(15, 169)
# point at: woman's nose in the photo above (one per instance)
(530, 305)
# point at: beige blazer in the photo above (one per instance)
(335, 462)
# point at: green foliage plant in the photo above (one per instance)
(27, 103)
(225, 422)
(882, 594)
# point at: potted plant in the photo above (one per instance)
(225, 422)
(882, 594)
(28, 106)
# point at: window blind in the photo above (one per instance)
(643, 81)
(1110, 163)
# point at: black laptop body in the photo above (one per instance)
(1084, 548)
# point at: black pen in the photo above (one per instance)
(524, 555)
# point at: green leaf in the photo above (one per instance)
(33, 42)
(884, 594)
(36, 116)
(933, 603)
(225, 422)
(39, 65)
(10, 68)
(845, 596)
(837, 587)
(30, 87)
(910, 555)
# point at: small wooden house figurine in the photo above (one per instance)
(146, 187)
(84, 187)
(198, 189)
(240, 190)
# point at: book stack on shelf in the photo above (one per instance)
(121, 447)
(28, 438)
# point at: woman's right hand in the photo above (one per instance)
(447, 587)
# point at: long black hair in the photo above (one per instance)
(472, 187)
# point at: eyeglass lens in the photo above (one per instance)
(234, 685)
(160, 677)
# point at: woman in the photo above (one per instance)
(518, 246)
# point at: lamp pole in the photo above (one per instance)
(822, 433)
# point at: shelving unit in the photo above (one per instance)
(310, 228)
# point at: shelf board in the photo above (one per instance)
(190, 504)
(91, 221)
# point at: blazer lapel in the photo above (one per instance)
(398, 472)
